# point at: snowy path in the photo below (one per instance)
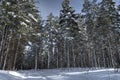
(76, 74)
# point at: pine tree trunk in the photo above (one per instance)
(57, 58)
(74, 58)
(48, 62)
(68, 54)
(16, 54)
(111, 54)
(7, 51)
(2, 48)
(36, 59)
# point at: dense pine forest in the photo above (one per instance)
(87, 39)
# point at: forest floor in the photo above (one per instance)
(61, 74)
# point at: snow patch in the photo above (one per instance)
(12, 13)
(16, 74)
(56, 77)
(36, 77)
(4, 72)
(93, 71)
(14, 16)
(23, 23)
(32, 17)
(8, 3)
(27, 20)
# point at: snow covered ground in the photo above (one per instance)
(61, 74)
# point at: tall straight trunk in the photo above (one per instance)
(57, 58)
(103, 57)
(64, 57)
(74, 58)
(6, 56)
(16, 54)
(36, 59)
(81, 64)
(48, 60)
(111, 54)
(3, 40)
(2, 48)
(94, 56)
(89, 59)
(68, 55)
(103, 52)
(5, 60)
(41, 56)
(7, 51)
(61, 52)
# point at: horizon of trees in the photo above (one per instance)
(87, 39)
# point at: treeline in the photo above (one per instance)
(87, 39)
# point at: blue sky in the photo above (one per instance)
(54, 6)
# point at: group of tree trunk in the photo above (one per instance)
(87, 39)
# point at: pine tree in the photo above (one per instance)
(68, 30)
(31, 31)
(90, 14)
(49, 41)
(15, 23)
(116, 43)
(106, 22)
